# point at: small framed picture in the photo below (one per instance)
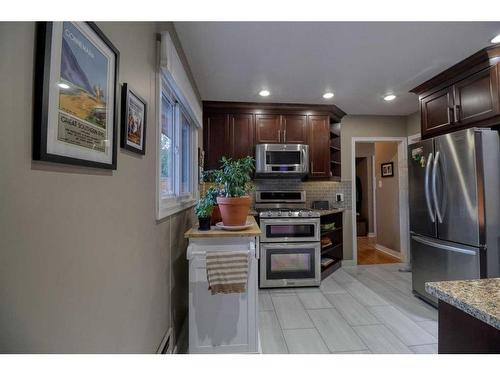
(387, 169)
(133, 121)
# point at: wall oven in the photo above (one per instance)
(290, 264)
(293, 229)
(281, 160)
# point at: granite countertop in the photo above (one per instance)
(253, 231)
(330, 211)
(479, 298)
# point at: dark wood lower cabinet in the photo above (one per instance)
(461, 333)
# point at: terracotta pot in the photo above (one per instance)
(234, 211)
(216, 218)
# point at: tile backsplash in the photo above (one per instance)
(315, 190)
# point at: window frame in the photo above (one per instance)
(176, 202)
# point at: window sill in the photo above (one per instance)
(166, 211)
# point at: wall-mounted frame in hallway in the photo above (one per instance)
(402, 166)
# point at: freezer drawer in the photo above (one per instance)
(434, 260)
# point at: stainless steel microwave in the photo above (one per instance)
(281, 160)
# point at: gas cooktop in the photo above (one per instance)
(288, 212)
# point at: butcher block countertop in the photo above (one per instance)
(478, 298)
(253, 231)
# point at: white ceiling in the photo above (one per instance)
(298, 62)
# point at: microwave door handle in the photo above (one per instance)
(434, 189)
(426, 188)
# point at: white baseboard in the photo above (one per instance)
(370, 234)
(386, 250)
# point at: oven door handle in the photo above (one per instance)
(298, 221)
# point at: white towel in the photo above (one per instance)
(227, 271)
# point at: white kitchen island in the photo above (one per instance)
(222, 323)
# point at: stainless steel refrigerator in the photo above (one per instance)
(454, 192)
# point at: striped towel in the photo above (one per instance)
(227, 271)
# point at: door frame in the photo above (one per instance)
(404, 227)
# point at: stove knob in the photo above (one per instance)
(289, 213)
(279, 213)
(299, 213)
(309, 214)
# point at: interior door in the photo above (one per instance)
(455, 187)
(294, 128)
(435, 260)
(422, 212)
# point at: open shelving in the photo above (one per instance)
(332, 252)
(335, 151)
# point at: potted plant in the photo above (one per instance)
(203, 210)
(234, 180)
(212, 193)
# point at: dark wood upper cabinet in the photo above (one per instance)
(242, 135)
(476, 97)
(215, 139)
(437, 111)
(233, 129)
(294, 129)
(465, 95)
(319, 146)
(268, 128)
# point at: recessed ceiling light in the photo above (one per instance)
(264, 93)
(328, 95)
(63, 85)
(389, 97)
(496, 39)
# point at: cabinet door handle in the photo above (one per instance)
(457, 113)
(451, 115)
(284, 136)
(279, 137)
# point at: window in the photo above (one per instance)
(177, 150)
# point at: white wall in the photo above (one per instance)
(84, 266)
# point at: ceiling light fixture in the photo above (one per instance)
(496, 39)
(328, 95)
(389, 97)
(264, 93)
(63, 85)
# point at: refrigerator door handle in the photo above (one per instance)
(434, 189)
(443, 246)
(426, 188)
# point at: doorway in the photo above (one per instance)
(379, 200)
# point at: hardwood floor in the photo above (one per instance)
(368, 254)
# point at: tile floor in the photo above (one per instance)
(359, 309)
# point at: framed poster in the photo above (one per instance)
(75, 104)
(133, 119)
(387, 169)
